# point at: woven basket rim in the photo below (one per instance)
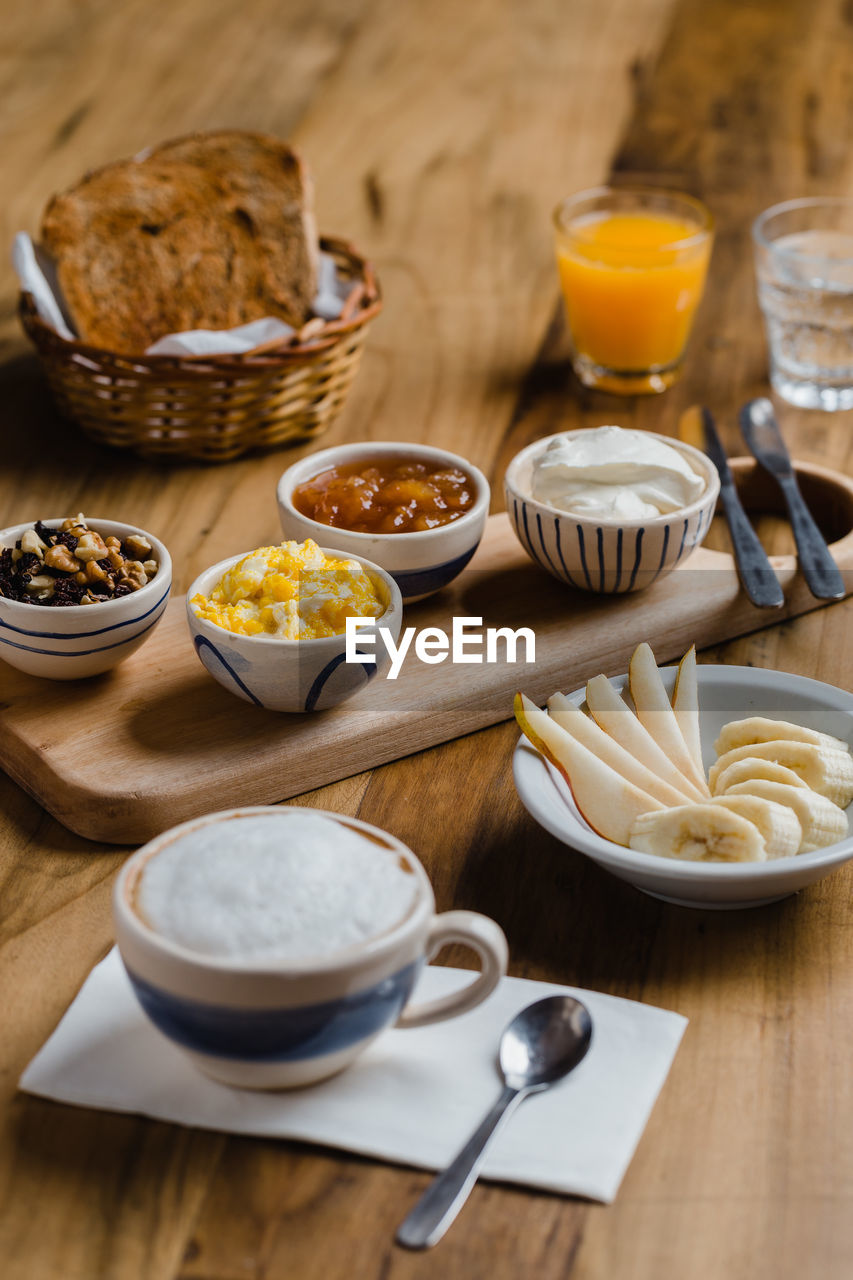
(368, 304)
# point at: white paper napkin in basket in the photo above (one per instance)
(412, 1098)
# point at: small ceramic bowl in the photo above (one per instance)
(607, 556)
(74, 641)
(420, 563)
(263, 1024)
(725, 693)
(294, 675)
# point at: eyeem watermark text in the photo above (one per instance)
(468, 642)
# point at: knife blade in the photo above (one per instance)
(764, 440)
(755, 571)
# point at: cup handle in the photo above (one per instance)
(486, 938)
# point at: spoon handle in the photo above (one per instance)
(445, 1196)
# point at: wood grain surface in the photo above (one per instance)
(441, 135)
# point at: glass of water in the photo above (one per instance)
(804, 265)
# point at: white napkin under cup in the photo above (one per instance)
(413, 1097)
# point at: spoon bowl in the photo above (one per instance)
(544, 1042)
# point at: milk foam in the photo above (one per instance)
(285, 886)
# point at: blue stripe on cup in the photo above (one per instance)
(619, 537)
(524, 538)
(422, 582)
(277, 1035)
(638, 555)
(203, 646)
(530, 546)
(77, 635)
(610, 565)
(67, 652)
(663, 551)
(569, 577)
(542, 544)
(582, 551)
(369, 667)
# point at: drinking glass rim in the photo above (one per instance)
(702, 232)
(787, 206)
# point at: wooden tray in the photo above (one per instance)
(123, 756)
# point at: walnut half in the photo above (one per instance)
(59, 557)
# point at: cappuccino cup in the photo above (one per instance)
(273, 944)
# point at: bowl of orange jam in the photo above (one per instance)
(417, 511)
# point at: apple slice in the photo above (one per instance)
(606, 800)
(617, 719)
(685, 705)
(592, 736)
(655, 713)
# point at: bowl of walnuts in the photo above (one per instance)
(77, 595)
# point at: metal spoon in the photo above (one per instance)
(542, 1044)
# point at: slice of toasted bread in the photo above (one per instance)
(208, 231)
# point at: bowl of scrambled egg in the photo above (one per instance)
(270, 625)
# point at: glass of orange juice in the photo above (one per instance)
(632, 263)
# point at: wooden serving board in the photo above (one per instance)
(123, 756)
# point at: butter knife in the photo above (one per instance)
(764, 440)
(753, 568)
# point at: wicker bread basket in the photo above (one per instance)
(214, 408)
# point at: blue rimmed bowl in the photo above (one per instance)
(607, 556)
(421, 563)
(70, 642)
(294, 675)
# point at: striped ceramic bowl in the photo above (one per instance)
(607, 556)
(75, 641)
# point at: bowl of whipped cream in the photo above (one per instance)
(610, 509)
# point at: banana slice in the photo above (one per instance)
(743, 733)
(779, 825)
(752, 767)
(822, 821)
(698, 833)
(825, 770)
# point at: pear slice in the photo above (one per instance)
(617, 719)
(655, 713)
(685, 705)
(592, 736)
(606, 800)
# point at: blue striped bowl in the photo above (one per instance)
(75, 641)
(607, 556)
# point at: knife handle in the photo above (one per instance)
(818, 567)
(755, 571)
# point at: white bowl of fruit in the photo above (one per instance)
(708, 786)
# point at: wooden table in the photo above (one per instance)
(441, 135)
